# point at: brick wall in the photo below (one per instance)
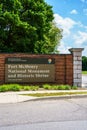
(63, 66)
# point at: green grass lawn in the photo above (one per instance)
(84, 72)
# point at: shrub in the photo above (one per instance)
(54, 87)
(57, 87)
(14, 87)
(47, 86)
(10, 87)
(67, 87)
(17, 87)
(33, 88)
(74, 87)
(64, 87)
(27, 88)
(3, 88)
(61, 87)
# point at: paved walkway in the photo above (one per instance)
(15, 97)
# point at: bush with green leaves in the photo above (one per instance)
(58, 87)
(3, 88)
(17, 87)
(14, 87)
(47, 86)
(64, 87)
(10, 87)
(74, 87)
(26, 88)
(33, 88)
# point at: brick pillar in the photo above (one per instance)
(77, 66)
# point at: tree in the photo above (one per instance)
(52, 40)
(84, 63)
(26, 26)
(55, 35)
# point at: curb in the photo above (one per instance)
(18, 97)
(57, 97)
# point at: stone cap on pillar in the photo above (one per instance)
(72, 50)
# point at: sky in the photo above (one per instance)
(71, 16)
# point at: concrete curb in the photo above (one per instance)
(18, 97)
(57, 97)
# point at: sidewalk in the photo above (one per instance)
(16, 97)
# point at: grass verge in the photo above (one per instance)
(54, 94)
(84, 72)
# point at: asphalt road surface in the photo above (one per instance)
(68, 114)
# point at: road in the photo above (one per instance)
(68, 114)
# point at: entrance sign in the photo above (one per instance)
(24, 70)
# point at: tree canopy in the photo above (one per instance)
(84, 63)
(26, 26)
